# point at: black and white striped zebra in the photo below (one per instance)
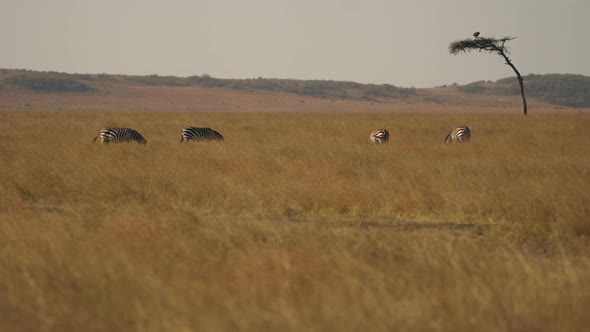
(380, 136)
(459, 135)
(117, 135)
(199, 134)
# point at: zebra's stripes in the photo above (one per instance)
(117, 135)
(199, 133)
(459, 134)
(380, 136)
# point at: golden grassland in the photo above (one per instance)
(294, 223)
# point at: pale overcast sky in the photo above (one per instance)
(399, 42)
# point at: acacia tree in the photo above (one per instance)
(490, 45)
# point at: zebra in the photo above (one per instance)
(199, 133)
(380, 136)
(117, 135)
(459, 134)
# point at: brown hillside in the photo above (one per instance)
(125, 97)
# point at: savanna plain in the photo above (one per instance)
(295, 223)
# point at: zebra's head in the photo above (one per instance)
(449, 138)
(141, 140)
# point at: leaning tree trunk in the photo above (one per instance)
(520, 81)
(521, 89)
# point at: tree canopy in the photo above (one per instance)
(484, 44)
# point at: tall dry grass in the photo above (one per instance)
(294, 222)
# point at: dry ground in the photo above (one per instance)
(295, 222)
(113, 97)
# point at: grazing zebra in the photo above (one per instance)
(380, 136)
(460, 134)
(117, 135)
(199, 133)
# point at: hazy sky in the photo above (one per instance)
(404, 43)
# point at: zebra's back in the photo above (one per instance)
(118, 135)
(200, 133)
(380, 136)
(459, 134)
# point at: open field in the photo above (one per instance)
(294, 223)
(125, 97)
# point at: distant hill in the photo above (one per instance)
(62, 82)
(561, 89)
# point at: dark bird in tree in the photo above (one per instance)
(490, 45)
(476, 34)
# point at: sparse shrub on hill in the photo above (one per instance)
(157, 80)
(561, 89)
(312, 88)
(100, 77)
(477, 87)
(48, 82)
(385, 91)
